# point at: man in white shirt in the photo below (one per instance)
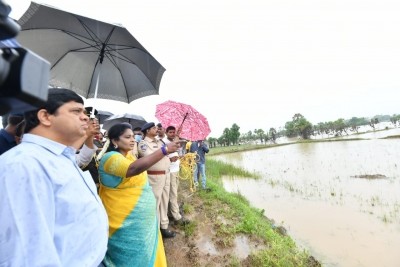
(160, 132)
(50, 212)
(174, 179)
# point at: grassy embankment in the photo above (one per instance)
(239, 148)
(240, 217)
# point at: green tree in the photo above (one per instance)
(373, 122)
(299, 126)
(354, 123)
(272, 134)
(260, 134)
(212, 141)
(221, 141)
(340, 126)
(297, 117)
(247, 137)
(290, 129)
(394, 119)
(251, 136)
(382, 118)
(304, 128)
(226, 137)
(234, 134)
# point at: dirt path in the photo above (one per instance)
(204, 243)
(198, 249)
(202, 247)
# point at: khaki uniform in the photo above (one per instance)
(159, 178)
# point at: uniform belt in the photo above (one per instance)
(155, 172)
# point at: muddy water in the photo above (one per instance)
(313, 190)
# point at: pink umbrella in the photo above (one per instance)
(194, 126)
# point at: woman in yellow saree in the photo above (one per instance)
(134, 235)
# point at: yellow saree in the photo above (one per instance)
(134, 236)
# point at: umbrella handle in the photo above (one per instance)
(92, 116)
(184, 118)
(180, 127)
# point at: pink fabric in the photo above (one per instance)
(194, 126)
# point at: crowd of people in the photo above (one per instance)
(70, 196)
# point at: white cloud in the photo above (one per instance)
(256, 63)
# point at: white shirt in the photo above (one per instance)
(84, 157)
(174, 167)
(50, 213)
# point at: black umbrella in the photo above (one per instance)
(132, 119)
(93, 58)
(102, 115)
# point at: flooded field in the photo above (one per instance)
(339, 200)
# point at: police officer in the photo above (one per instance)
(158, 174)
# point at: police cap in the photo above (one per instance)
(148, 125)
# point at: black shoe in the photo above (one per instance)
(182, 221)
(167, 233)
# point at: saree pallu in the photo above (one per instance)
(134, 236)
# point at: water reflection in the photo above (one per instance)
(311, 189)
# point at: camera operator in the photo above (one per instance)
(24, 76)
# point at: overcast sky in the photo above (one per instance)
(257, 63)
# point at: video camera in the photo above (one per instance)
(24, 76)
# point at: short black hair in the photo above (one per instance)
(19, 130)
(169, 128)
(15, 119)
(55, 99)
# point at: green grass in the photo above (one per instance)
(239, 148)
(241, 218)
(331, 139)
(189, 228)
(233, 261)
(217, 169)
(233, 215)
(187, 208)
(246, 147)
(391, 137)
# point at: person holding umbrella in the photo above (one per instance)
(88, 147)
(134, 234)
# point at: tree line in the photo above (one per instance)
(300, 127)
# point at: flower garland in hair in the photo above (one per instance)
(105, 147)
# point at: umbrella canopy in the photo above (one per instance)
(102, 115)
(93, 58)
(132, 119)
(194, 124)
